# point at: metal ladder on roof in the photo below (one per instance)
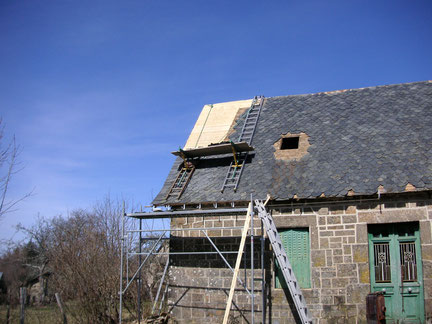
(181, 181)
(284, 263)
(235, 170)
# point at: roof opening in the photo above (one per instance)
(289, 143)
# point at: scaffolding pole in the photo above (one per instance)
(139, 275)
(263, 282)
(128, 235)
(121, 263)
(252, 263)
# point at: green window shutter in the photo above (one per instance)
(296, 244)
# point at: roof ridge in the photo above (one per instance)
(333, 92)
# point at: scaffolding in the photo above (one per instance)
(130, 249)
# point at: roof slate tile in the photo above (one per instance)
(359, 139)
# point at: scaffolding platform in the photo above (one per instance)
(215, 149)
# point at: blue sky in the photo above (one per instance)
(98, 93)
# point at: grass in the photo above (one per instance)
(33, 315)
(49, 314)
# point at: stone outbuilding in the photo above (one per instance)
(348, 175)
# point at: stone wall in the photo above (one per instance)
(340, 277)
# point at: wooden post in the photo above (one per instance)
(60, 305)
(238, 262)
(8, 314)
(23, 297)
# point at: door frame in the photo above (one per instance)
(397, 290)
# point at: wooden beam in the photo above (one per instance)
(238, 262)
(225, 148)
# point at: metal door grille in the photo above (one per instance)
(408, 261)
(382, 262)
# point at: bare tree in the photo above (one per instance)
(15, 274)
(8, 167)
(37, 254)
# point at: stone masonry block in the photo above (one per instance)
(428, 310)
(339, 282)
(356, 294)
(335, 245)
(391, 216)
(334, 220)
(329, 272)
(337, 251)
(323, 211)
(338, 259)
(316, 278)
(351, 209)
(335, 227)
(324, 243)
(314, 237)
(329, 259)
(347, 249)
(346, 270)
(326, 233)
(427, 269)
(425, 232)
(318, 258)
(345, 233)
(361, 233)
(349, 219)
(427, 284)
(347, 259)
(360, 253)
(325, 283)
(427, 252)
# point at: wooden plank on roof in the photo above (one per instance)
(216, 149)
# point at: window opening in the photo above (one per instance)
(382, 262)
(290, 143)
(408, 261)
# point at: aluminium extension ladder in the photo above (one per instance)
(248, 130)
(284, 263)
(181, 181)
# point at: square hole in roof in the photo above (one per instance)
(289, 143)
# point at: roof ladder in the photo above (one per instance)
(181, 181)
(235, 170)
(183, 177)
(284, 263)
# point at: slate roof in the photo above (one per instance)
(360, 139)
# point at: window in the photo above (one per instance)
(382, 262)
(408, 261)
(296, 245)
(290, 143)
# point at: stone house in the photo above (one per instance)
(349, 177)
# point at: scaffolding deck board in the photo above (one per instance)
(216, 149)
(186, 213)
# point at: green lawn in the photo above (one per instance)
(33, 315)
(47, 314)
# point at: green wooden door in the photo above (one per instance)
(396, 270)
(296, 244)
